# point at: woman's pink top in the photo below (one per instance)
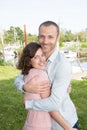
(36, 119)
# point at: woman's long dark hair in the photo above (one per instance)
(29, 51)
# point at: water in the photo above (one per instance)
(76, 63)
(82, 63)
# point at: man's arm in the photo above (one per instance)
(31, 86)
(58, 91)
(19, 83)
(57, 116)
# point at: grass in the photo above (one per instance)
(12, 112)
(79, 97)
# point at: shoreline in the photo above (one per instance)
(79, 75)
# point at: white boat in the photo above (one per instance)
(69, 54)
(75, 62)
(8, 54)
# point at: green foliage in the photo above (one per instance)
(60, 43)
(16, 35)
(66, 35)
(19, 34)
(82, 36)
(12, 35)
(83, 45)
(3, 63)
(9, 35)
(31, 38)
(79, 96)
(73, 47)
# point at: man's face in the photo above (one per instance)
(48, 37)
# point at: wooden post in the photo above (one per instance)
(25, 37)
(78, 48)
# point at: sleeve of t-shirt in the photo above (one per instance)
(19, 82)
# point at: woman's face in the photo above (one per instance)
(39, 60)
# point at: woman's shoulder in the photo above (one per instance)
(41, 73)
(34, 72)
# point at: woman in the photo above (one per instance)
(32, 62)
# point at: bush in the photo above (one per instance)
(3, 63)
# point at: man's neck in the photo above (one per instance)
(49, 54)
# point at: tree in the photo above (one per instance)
(9, 35)
(13, 35)
(31, 38)
(19, 34)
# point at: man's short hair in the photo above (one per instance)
(48, 23)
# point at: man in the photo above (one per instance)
(59, 72)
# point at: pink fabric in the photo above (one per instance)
(36, 120)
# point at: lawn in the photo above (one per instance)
(12, 112)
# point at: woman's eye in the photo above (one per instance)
(36, 57)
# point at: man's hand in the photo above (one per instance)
(34, 87)
(71, 129)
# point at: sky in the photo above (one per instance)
(68, 14)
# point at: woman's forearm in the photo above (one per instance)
(60, 120)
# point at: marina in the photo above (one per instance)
(79, 65)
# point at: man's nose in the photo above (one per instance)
(45, 40)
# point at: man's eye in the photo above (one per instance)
(41, 36)
(50, 37)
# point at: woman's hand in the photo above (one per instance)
(71, 129)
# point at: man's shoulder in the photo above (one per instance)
(63, 61)
(62, 57)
